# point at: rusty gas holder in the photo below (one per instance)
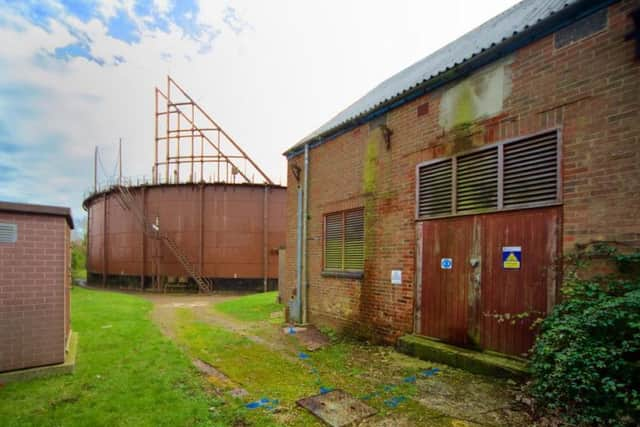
(227, 233)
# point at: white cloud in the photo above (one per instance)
(298, 64)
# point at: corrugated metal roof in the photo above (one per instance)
(493, 32)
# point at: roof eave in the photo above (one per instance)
(533, 33)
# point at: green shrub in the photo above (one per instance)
(585, 362)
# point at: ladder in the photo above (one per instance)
(127, 202)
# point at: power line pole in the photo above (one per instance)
(95, 170)
(120, 162)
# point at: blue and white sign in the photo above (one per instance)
(511, 257)
(446, 263)
(396, 277)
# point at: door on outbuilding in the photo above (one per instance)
(476, 209)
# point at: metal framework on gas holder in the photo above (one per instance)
(191, 147)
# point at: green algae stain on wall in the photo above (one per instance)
(370, 173)
(464, 111)
(478, 96)
(370, 190)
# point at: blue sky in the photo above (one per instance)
(76, 74)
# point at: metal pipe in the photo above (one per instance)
(265, 227)
(201, 237)
(298, 315)
(305, 218)
(144, 213)
(104, 240)
(155, 158)
(120, 162)
(168, 141)
(95, 170)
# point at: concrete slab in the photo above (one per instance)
(67, 367)
(483, 363)
(337, 408)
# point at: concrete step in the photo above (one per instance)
(484, 363)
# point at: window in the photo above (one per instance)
(8, 233)
(514, 174)
(344, 241)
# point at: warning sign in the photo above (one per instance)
(511, 257)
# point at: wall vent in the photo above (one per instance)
(582, 28)
(522, 173)
(8, 233)
(434, 189)
(531, 171)
(344, 240)
(477, 181)
(333, 241)
(354, 240)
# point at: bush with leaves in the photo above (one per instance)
(585, 363)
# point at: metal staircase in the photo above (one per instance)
(127, 202)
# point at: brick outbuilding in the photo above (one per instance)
(441, 203)
(35, 280)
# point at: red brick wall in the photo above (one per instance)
(34, 277)
(590, 89)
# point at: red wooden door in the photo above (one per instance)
(507, 295)
(444, 292)
(478, 301)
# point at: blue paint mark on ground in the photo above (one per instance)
(429, 372)
(264, 403)
(394, 401)
(325, 390)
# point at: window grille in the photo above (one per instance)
(344, 240)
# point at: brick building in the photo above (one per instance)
(443, 200)
(35, 280)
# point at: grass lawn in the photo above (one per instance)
(251, 308)
(80, 273)
(127, 374)
(283, 376)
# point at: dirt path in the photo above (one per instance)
(457, 396)
(165, 306)
(164, 315)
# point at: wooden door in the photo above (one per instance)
(512, 298)
(481, 301)
(444, 293)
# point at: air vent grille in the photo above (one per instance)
(333, 241)
(477, 181)
(434, 189)
(523, 173)
(531, 171)
(8, 233)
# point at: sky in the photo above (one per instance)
(76, 74)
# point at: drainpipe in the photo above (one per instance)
(297, 306)
(265, 239)
(305, 220)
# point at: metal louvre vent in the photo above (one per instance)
(507, 175)
(477, 181)
(434, 189)
(531, 171)
(354, 240)
(8, 233)
(333, 242)
(344, 240)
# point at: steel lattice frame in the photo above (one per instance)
(191, 147)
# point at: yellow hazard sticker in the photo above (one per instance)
(511, 257)
(511, 262)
